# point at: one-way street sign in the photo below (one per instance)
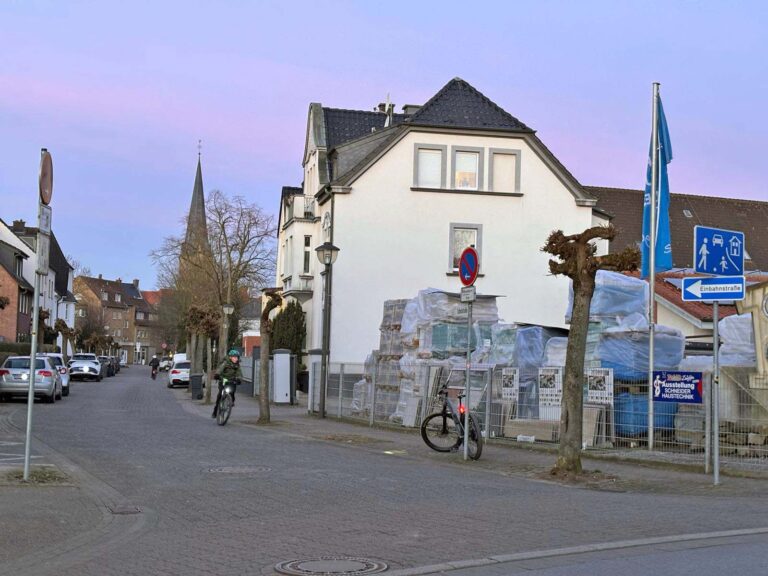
(717, 251)
(702, 289)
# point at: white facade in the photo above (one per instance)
(395, 239)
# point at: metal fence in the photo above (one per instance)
(251, 368)
(524, 405)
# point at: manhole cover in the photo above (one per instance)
(331, 566)
(239, 469)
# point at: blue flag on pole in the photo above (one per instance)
(663, 237)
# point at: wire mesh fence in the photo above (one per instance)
(524, 406)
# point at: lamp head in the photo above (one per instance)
(327, 253)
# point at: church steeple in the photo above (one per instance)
(197, 229)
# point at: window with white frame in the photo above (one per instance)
(19, 266)
(463, 236)
(467, 168)
(139, 315)
(307, 253)
(104, 296)
(429, 166)
(117, 315)
(118, 298)
(504, 170)
(81, 312)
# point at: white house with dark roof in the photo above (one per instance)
(401, 195)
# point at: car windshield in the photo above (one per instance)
(182, 365)
(83, 357)
(55, 360)
(23, 364)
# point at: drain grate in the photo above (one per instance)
(124, 510)
(239, 469)
(331, 566)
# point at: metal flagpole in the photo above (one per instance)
(715, 389)
(652, 253)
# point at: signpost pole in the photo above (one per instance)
(45, 191)
(32, 373)
(716, 395)
(466, 381)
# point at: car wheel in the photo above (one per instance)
(61, 394)
(99, 378)
(169, 385)
(65, 391)
(51, 399)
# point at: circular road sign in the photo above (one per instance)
(469, 264)
(164, 345)
(46, 177)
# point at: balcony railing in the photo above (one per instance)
(300, 207)
(301, 283)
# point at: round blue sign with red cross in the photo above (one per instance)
(469, 263)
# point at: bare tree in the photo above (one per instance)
(577, 260)
(79, 268)
(240, 255)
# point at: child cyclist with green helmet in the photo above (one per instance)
(228, 370)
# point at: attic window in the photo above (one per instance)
(118, 298)
(687, 213)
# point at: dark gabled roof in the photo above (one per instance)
(344, 125)
(348, 163)
(748, 216)
(130, 295)
(459, 105)
(8, 255)
(291, 191)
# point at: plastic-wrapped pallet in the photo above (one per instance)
(738, 347)
(529, 347)
(616, 295)
(361, 397)
(503, 340)
(627, 352)
(392, 315)
(554, 352)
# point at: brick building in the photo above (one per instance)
(119, 309)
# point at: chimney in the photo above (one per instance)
(136, 283)
(99, 276)
(18, 226)
(411, 109)
(119, 280)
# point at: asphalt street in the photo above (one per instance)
(156, 487)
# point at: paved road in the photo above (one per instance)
(171, 493)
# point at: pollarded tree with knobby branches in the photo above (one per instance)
(576, 259)
(274, 300)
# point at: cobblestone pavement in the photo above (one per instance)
(158, 488)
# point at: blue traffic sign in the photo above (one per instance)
(712, 288)
(717, 251)
(469, 264)
(685, 387)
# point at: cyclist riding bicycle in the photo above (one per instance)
(228, 370)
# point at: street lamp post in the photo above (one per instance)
(327, 254)
(227, 309)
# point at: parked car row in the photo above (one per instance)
(52, 376)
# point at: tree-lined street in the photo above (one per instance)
(157, 488)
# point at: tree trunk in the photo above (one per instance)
(264, 377)
(569, 451)
(209, 375)
(192, 355)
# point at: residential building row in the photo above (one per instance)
(403, 194)
(124, 312)
(18, 265)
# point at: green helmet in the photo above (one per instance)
(233, 352)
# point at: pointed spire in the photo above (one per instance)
(197, 230)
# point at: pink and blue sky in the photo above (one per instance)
(121, 92)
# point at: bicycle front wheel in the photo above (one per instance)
(475, 444)
(225, 409)
(440, 432)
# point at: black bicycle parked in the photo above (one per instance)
(443, 430)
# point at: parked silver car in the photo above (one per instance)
(14, 378)
(57, 360)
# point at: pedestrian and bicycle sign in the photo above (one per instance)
(469, 263)
(718, 251)
(713, 288)
(673, 386)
